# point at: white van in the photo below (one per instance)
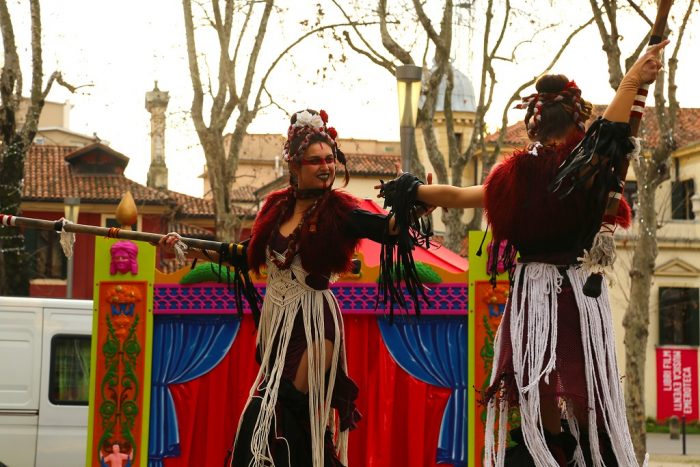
(44, 381)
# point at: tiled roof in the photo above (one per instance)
(372, 164)
(191, 206)
(688, 128)
(243, 193)
(192, 231)
(49, 177)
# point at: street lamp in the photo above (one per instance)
(71, 208)
(408, 80)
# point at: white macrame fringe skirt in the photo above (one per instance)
(287, 295)
(533, 308)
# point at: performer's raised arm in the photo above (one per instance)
(644, 71)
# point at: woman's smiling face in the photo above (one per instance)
(317, 168)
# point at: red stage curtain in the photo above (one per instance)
(401, 415)
(208, 408)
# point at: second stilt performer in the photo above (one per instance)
(555, 351)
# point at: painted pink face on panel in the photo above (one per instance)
(124, 255)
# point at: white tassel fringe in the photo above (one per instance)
(67, 239)
(534, 299)
(602, 253)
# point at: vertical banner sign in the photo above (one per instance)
(120, 373)
(677, 383)
(486, 305)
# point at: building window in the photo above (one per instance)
(678, 316)
(681, 204)
(46, 258)
(69, 380)
(630, 194)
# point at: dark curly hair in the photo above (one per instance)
(555, 108)
(299, 138)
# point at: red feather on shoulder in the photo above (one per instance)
(265, 222)
(324, 245)
(624, 214)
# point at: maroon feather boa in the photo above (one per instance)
(325, 248)
(520, 208)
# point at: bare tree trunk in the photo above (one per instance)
(227, 221)
(636, 320)
(16, 140)
(15, 277)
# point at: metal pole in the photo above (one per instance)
(69, 278)
(683, 432)
(407, 136)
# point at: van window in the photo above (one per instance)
(69, 381)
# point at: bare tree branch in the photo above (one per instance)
(640, 12)
(609, 40)
(504, 26)
(281, 55)
(253, 60)
(516, 95)
(198, 97)
(377, 59)
(526, 41)
(58, 78)
(224, 37)
(427, 25)
(372, 50)
(629, 61)
(389, 43)
(238, 46)
(674, 105)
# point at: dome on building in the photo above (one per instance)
(463, 97)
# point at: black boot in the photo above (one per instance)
(605, 446)
(562, 447)
(518, 455)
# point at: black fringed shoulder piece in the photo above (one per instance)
(396, 260)
(611, 142)
(235, 255)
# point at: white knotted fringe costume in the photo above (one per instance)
(286, 295)
(533, 300)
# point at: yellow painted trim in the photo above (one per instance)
(687, 151)
(477, 273)
(148, 363)
(93, 376)
(472, 274)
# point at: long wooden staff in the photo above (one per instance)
(233, 249)
(233, 254)
(592, 287)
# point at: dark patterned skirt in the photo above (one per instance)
(568, 379)
(289, 438)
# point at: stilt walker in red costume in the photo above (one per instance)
(302, 403)
(555, 351)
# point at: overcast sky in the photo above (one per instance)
(122, 47)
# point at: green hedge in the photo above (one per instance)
(426, 274)
(204, 272)
(654, 426)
